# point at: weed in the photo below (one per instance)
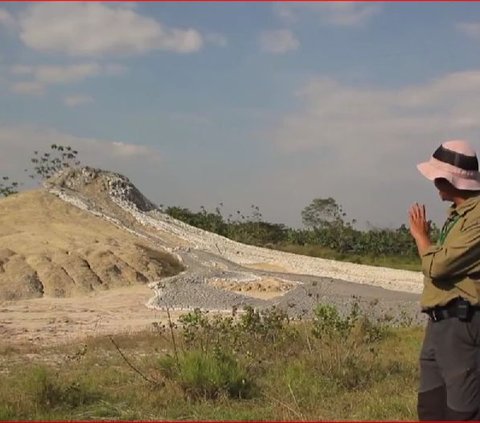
(49, 391)
(209, 375)
(329, 324)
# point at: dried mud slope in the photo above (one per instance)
(49, 247)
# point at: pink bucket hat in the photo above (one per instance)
(455, 161)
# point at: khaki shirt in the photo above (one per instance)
(452, 267)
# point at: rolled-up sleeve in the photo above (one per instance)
(458, 257)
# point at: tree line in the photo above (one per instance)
(325, 225)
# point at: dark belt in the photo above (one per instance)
(459, 308)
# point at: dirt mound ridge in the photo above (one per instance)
(100, 186)
(50, 247)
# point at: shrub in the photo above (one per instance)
(351, 368)
(49, 392)
(329, 324)
(209, 375)
(252, 330)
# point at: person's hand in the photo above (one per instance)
(419, 226)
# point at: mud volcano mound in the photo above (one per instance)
(49, 247)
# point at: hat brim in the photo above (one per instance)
(432, 172)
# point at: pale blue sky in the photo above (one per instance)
(266, 103)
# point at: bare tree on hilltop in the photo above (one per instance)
(43, 166)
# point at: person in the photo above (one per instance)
(449, 359)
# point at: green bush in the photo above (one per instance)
(50, 392)
(329, 324)
(209, 375)
(249, 330)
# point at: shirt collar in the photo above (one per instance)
(465, 207)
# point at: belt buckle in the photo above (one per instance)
(464, 310)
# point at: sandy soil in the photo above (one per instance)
(51, 321)
(264, 288)
(46, 321)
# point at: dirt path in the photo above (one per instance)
(47, 321)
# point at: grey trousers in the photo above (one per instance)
(450, 370)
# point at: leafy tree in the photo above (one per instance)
(47, 164)
(8, 187)
(323, 213)
(212, 222)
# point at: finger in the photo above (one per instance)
(416, 211)
(411, 210)
(411, 217)
(421, 213)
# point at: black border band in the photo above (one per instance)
(456, 159)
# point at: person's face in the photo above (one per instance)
(445, 189)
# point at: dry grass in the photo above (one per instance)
(299, 378)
